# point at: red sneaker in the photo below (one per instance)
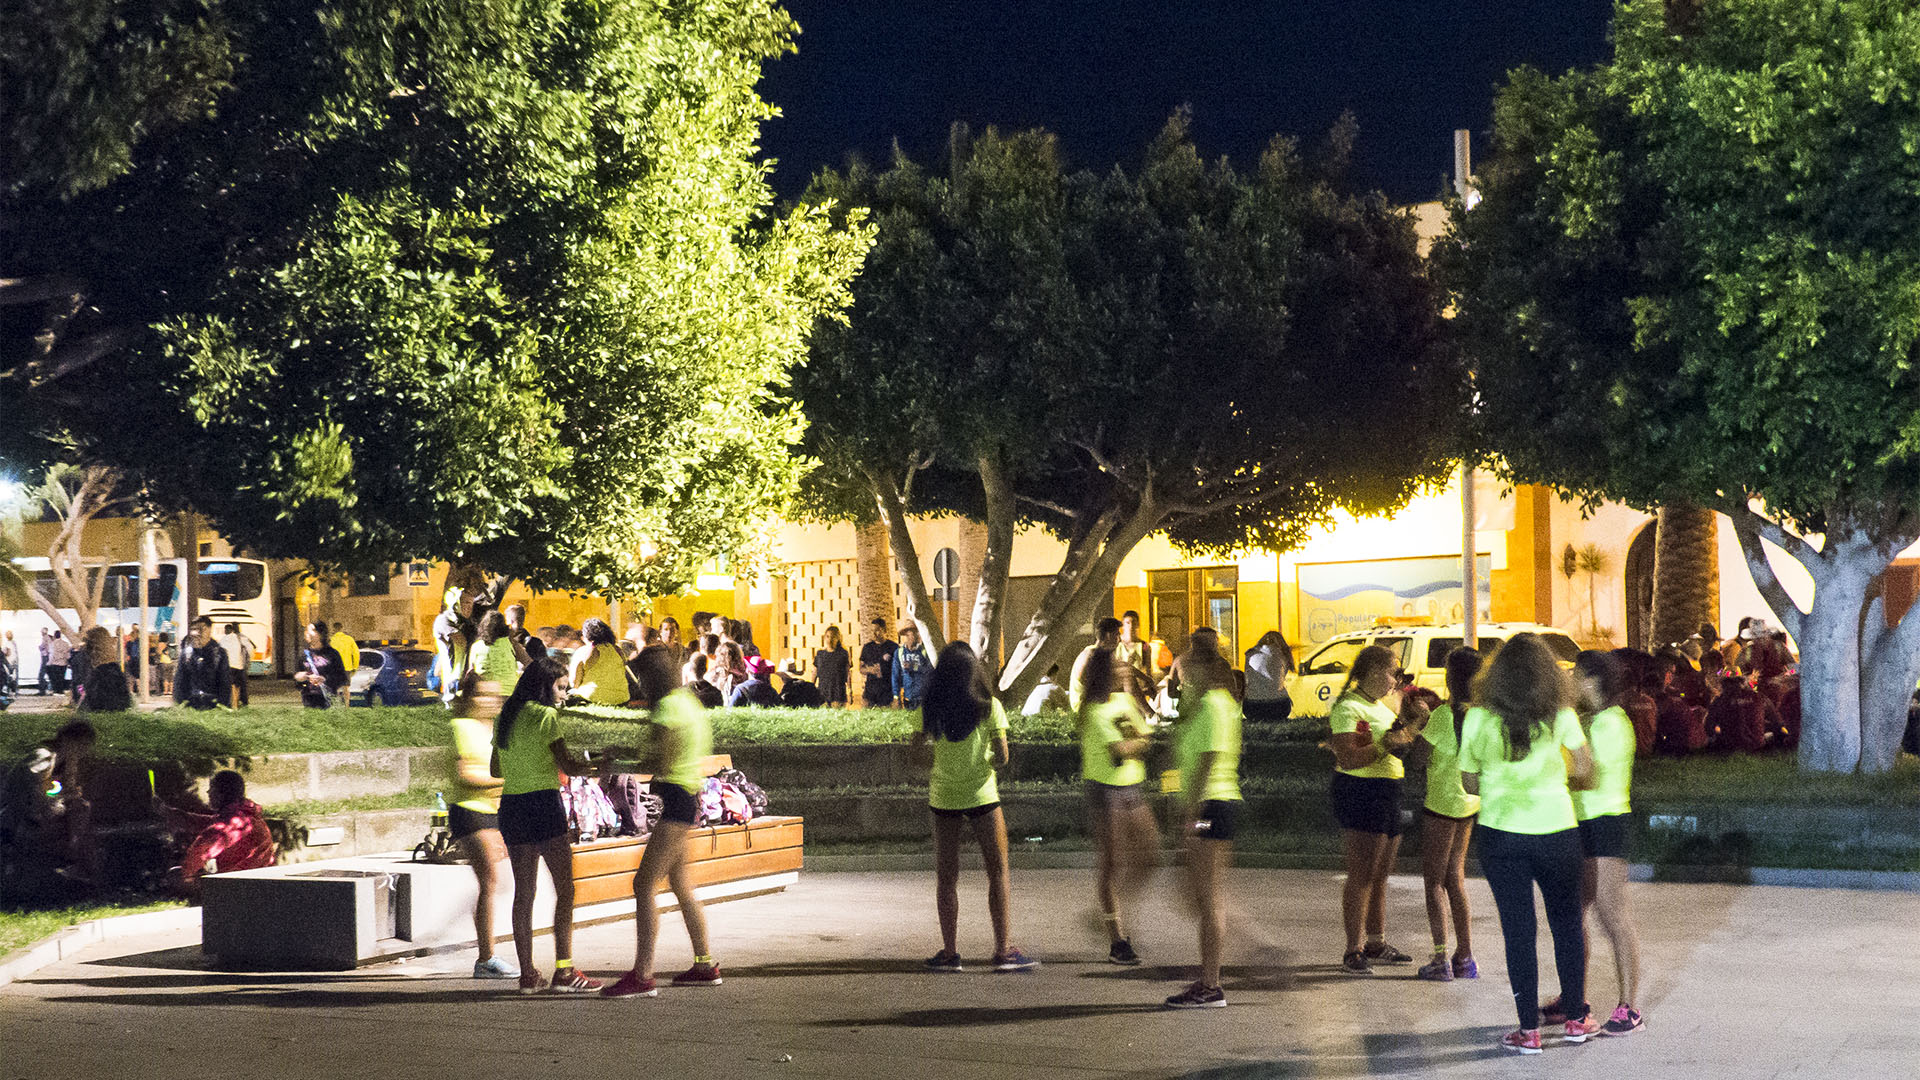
(699, 975)
(1579, 1031)
(630, 985)
(568, 980)
(1524, 1042)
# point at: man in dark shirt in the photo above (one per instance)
(201, 677)
(876, 663)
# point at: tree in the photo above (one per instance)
(490, 281)
(1185, 349)
(76, 496)
(1691, 277)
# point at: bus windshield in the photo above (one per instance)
(231, 581)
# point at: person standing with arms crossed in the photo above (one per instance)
(1511, 756)
(680, 740)
(1368, 740)
(1446, 826)
(876, 664)
(1207, 749)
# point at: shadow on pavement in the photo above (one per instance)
(984, 1016)
(845, 966)
(1232, 976)
(278, 997)
(1381, 1055)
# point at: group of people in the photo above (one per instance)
(1536, 761)
(1741, 695)
(101, 672)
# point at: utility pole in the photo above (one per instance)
(1469, 553)
(149, 569)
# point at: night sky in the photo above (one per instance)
(1105, 75)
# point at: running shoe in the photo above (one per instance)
(1199, 996)
(1436, 970)
(699, 975)
(1466, 969)
(630, 985)
(532, 983)
(944, 961)
(1014, 960)
(1121, 952)
(1579, 1031)
(568, 980)
(1355, 963)
(1382, 953)
(494, 967)
(1625, 1021)
(1522, 1042)
(1552, 1012)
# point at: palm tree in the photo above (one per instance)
(1686, 572)
(1592, 562)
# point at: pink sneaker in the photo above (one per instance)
(1579, 1031)
(699, 975)
(1522, 1042)
(1625, 1021)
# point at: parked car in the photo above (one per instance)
(391, 675)
(1422, 651)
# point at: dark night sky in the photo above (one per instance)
(1105, 75)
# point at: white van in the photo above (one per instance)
(1422, 652)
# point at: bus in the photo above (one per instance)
(229, 591)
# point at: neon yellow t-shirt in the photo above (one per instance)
(682, 714)
(1349, 714)
(497, 663)
(963, 771)
(473, 744)
(1613, 745)
(1212, 727)
(1077, 682)
(526, 763)
(1445, 796)
(1527, 796)
(603, 681)
(1100, 729)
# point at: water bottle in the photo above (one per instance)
(439, 811)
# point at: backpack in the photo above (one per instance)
(589, 812)
(755, 795)
(712, 803)
(734, 809)
(629, 799)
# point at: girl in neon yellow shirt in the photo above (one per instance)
(967, 732)
(1604, 812)
(1207, 747)
(1446, 826)
(1511, 756)
(1113, 749)
(1368, 739)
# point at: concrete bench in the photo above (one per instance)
(341, 913)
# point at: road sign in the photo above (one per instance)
(946, 567)
(419, 575)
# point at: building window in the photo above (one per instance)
(1181, 600)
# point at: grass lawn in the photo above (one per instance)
(1772, 779)
(22, 928)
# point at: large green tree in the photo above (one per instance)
(494, 281)
(1218, 355)
(1694, 275)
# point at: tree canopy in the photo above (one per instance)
(492, 281)
(1188, 348)
(1694, 274)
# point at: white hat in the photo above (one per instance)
(1756, 629)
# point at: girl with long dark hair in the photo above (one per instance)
(1446, 826)
(529, 755)
(967, 731)
(1511, 756)
(1369, 738)
(1113, 750)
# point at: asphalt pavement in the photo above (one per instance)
(826, 980)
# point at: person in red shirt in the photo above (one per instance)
(234, 836)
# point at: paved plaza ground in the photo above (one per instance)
(825, 981)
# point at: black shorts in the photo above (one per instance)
(677, 804)
(534, 817)
(1113, 798)
(1219, 819)
(462, 822)
(970, 812)
(1369, 804)
(1604, 837)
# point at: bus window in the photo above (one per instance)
(232, 581)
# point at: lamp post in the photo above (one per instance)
(1469, 561)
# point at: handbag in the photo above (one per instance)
(317, 690)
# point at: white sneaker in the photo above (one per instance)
(494, 968)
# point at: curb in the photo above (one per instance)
(64, 943)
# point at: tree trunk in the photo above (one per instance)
(1891, 664)
(1830, 673)
(875, 577)
(907, 559)
(1070, 601)
(1686, 572)
(989, 603)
